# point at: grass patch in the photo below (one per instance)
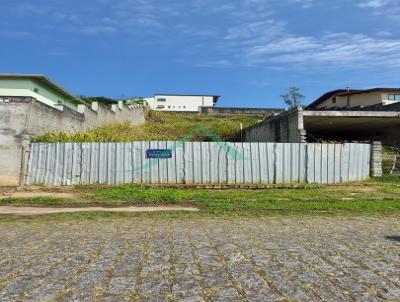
(137, 195)
(40, 201)
(238, 202)
(159, 126)
(373, 197)
(388, 180)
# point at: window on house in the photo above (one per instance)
(160, 107)
(394, 97)
(169, 107)
(184, 107)
(36, 90)
(161, 100)
(334, 101)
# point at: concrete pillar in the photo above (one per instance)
(376, 159)
(300, 124)
(95, 106)
(25, 149)
(120, 105)
(81, 108)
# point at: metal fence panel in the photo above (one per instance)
(231, 165)
(171, 176)
(180, 163)
(197, 163)
(239, 163)
(271, 162)
(302, 163)
(337, 170)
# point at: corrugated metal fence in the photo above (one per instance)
(197, 163)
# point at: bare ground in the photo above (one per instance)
(33, 194)
(45, 210)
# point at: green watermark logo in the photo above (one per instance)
(230, 150)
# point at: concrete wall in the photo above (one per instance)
(239, 111)
(23, 117)
(320, 125)
(286, 127)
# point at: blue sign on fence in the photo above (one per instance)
(158, 153)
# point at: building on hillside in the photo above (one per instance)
(348, 98)
(180, 102)
(33, 105)
(266, 112)
(340, 115)
(38, 87)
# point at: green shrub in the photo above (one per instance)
(160, 126)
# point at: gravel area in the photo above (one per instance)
(243, 259)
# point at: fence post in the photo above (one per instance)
(25, 150)
(306, 164)
(376, 159)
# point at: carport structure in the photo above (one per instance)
(351, 126)
(300, 126)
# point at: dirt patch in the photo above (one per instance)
(7, 190)
(354, 188)
(41, 211)
(33, 194)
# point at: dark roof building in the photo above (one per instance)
(351, 98)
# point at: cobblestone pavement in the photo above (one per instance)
(243, 259)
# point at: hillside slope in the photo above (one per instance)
(160, 126)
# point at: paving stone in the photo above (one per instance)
(240, 259)
(115, 298)
(121, 285)
(48, 291)
(226, 294)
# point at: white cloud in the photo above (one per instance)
(239, 32)
(340, 49)
(117, 16)
(389, 8)
(255, 31)
(255, 40)
(304, 3)
(99, 29)
(384, 33)
(217, 63)
(373, 3)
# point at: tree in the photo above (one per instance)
(293, 97)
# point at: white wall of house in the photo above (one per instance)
(32, 88)
(185, 103)
(362, 99)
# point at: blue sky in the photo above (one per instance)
(247, 51)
